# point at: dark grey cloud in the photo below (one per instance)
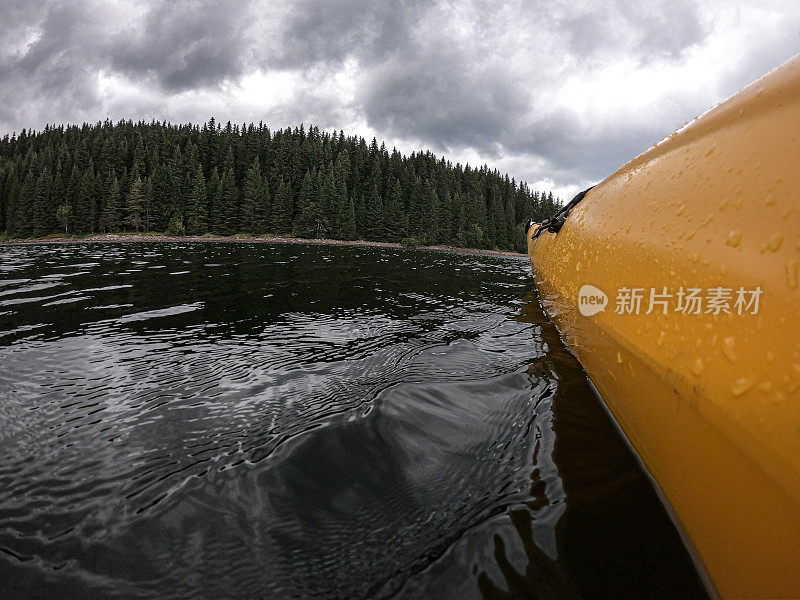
(574, 155)
(570, 88)
(176, 45)
(433, 96)
(185, 44)
(329, 32)
(44, 66)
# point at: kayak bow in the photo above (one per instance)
(675, 283)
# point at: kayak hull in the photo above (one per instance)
(706, 392)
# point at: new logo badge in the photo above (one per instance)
(591, 300)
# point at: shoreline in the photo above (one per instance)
(134, 237)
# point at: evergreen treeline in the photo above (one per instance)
(156, 176)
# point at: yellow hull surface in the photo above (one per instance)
(688, 324)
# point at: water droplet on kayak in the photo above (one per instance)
(741, 385)
(770, 199)
(697, 367)
(727, 348)
(619, 358)
(778, 398)
(774, 242)
(734, 237)
(791, 273)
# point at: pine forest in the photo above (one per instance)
(225, 180)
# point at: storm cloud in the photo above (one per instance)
(556, 93)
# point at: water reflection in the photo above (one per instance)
(612, 526)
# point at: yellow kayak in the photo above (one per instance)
(675, 283)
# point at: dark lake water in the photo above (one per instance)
(248, 420)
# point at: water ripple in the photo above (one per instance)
(252, 420)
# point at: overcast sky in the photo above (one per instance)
(556, 93)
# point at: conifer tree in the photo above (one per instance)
(58, 192)
(305, 222)
(251, 196)
(348, 227)
(473, 233)
(175, 225)
(453, 216)
(20, 222)
(326, 196)
(177, 183)
(72, 193)
(261, 212)
(228, 213)
(138, 155)
(41, 198)
(461, 219)
(341, 196)
(442, 219)
(361, 220)
(97, 199)
(282, 216)
(340, 204)
(105, 163)
(161, 209)
(416, 210)
(395, 216)
(325, 199)
(213, 191)
(430, 214)
(497, 235)
(109, 216)
(135, 205)
(63, 215)
(147, 203)
(85, 208)
(197, 204)
(374, 219)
